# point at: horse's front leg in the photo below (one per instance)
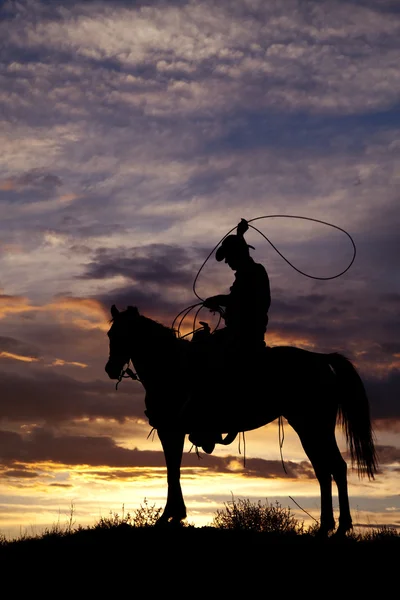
(175, 509)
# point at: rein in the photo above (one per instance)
(126, 374)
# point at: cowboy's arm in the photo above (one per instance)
(215, 301)
(242, 227)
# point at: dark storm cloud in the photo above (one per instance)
(72, 450)
(156, 263)
(156, 271)
(50, 397)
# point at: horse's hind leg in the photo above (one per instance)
(327, 461)
(339, 471)
(175, 509)
(317, 456)
(317, 450)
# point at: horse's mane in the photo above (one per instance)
(157, 328)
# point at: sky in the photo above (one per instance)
(134, 135)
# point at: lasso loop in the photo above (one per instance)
(316, 221)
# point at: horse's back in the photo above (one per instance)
(254, 389)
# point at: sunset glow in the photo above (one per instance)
(134, 137)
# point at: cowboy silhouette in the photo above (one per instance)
(245, 312)
(246, 306)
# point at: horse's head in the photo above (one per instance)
(120, 336)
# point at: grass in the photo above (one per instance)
(246, 544)
(237, 515)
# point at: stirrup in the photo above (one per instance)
(229, 438)
(207, 440)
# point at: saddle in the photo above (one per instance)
(217, 377)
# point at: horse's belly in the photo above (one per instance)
(223, 410)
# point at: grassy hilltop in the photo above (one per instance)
(246, 542)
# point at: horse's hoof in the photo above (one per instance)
(169, 522)
(324, 532)
(342, 531)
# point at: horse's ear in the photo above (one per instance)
(114, 311)
(133, 311)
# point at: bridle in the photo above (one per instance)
(126, 374)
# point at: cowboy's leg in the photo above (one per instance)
(206, 383)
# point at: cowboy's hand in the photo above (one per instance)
(211, 303)
(242, 227)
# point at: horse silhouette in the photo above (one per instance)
(313, 391)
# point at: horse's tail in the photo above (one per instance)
(354, 415)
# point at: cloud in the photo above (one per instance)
(20, 474)
(36, 178)
(70, 311)
(69, 332)
(11, 346)
(59, 362)
(384, 395)
(159, 264)
(387, 455)
(20, 357)
(195, 56)
(43, 446)
(29, 456)
(135, 135)
(51, 397)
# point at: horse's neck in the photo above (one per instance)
(154, 361)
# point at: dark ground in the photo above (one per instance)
(205, 557)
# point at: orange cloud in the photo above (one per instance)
(85, 313)
(277, 339)
(14, 304)
(18, 357)
(59, 362)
